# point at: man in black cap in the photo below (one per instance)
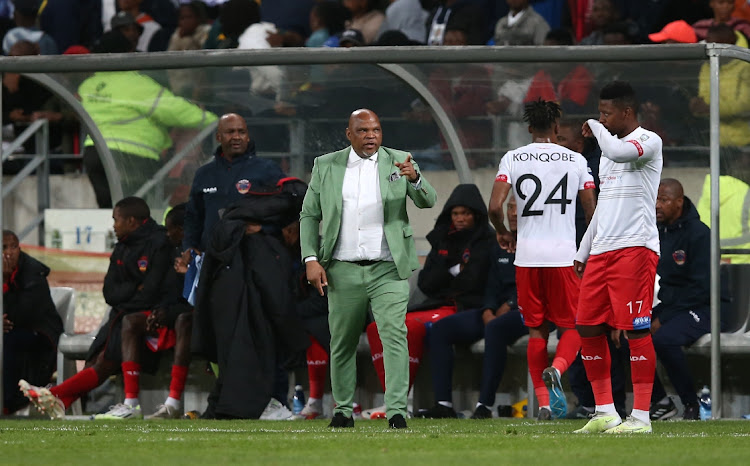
(127, 25)
(351, 38)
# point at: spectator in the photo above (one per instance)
(453, 277)
(235, 16)
(456, 14)
(522, 26)
(72, 22)
(133, 113)
(365, 18)
(351, 38)
(227, 178)
(291, 17)
(676, 32)
(620, 33)
(25, 16)
(327, 18)
(408, 17)
(125, 23)
(603, 13)
(683, 314)
(139, 278)
(151, 29)
(191, 34)
(31, 324)
(722, 15)
(498, 321)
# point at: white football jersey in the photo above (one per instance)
(629, 174)
(546, 179)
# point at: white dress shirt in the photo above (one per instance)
(361, 236)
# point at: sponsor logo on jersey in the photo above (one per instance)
(243, 186)
(210, 190)
(696, 317)
(543, 157)
(590, 358)
(317, 362)
(641, 322)
(638, 358)
(637, 146)
(442, 252)
(644, 137)
(143, 264)
(589, 185)
(466, 255)
(503, 260)
(503, 178)
(679, 257)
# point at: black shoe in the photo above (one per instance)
(662, 412)
(396, 422)
(544, 415)
(438, 412)
(691, 413)
(339, 420)
(482, 412)
(581, 412)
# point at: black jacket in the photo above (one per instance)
(684, 265)
(471, 248)
(28, 302)
(501, 281)
(244, 317)
(219, 183)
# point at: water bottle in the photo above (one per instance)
(705, 404)
(298, 402)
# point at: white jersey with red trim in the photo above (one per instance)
(546, 179)
(629, 175)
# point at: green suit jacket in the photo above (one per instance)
(323, 204)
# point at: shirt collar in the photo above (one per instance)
(354, 158)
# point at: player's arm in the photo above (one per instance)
(616, 149)
(588, 201)
(584, 249)
(499, 194)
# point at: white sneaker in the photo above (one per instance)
(374, 413)
(44, 401)
(275, 411)
(631, 426)
(165, 412)
(312, 410)
(119, 412)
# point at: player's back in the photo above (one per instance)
(546, 178)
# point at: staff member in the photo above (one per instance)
(359, 195)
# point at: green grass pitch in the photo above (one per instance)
(431, 442)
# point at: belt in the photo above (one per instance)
(364, 263)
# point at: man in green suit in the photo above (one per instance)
(365, 255)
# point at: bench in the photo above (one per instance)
(70, 347)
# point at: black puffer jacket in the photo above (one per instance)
(471, 248)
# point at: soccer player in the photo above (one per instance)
(619, 253)
(547, 178)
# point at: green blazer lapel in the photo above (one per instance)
(385, 168)
(338, 169)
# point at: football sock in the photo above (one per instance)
(567, 350)
(642, 369)
(596, 361)
(177, 384)
(74, 387)
(376, 350)
(132, 402)
(641, 415)
(317, 368)
(172, 402)
(609, 408)
(536, 354)
(131, 373)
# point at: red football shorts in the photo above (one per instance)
(164, 339)
(547, 293)
(618, 289)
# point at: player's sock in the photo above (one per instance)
(596, 361)
(132, 402)
(642, 369)
(317, 367)
(536, 354)
(376, 350)
(641, 415)
(172, 402)
(74, 387)
(415, 333)
(131, 374)
(177, 384)
(567, 350)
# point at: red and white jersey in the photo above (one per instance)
(629, 175)
(546, 179)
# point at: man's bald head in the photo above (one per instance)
(232, 135)
(669, 201)
(364, 132)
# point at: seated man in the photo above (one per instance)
(161, 329)
(140, 278)
(453, 277)
(31, 325)
(498, 321)
(683, 315)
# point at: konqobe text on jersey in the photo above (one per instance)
(544, 157)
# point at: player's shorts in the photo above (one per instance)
(547, 293)
(618, 289)
(164, 339)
